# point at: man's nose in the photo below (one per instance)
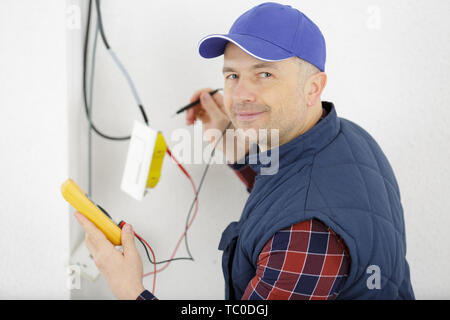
(243, 92)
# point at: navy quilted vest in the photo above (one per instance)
(337, 173)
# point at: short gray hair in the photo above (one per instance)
(306, 70)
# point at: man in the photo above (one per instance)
(329, 223)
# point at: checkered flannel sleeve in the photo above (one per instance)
(146, 295)
(304, 261)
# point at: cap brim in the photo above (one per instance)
(214, 45)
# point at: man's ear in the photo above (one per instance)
(314, 87)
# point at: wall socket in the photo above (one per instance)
(81, 257)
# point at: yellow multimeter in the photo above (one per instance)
(77, 198)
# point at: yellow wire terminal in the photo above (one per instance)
(157, 161)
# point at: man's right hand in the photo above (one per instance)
(210, 110)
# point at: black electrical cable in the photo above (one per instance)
(86, 43)
(105, 42)
(99, 17)
(141, 107)
(118, 63)
(164, 261)
(199, 187)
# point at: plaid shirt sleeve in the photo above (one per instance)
(146, 295)
(306, 261)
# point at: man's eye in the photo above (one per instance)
(232, 76)
(266, 74)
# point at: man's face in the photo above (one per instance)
(263, 95)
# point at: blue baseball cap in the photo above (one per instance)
(271, 32)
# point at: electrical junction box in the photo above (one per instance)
(144, 160)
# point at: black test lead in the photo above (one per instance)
(190, 105)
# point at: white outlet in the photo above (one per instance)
(81, 257)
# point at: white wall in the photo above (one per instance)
(34, 241)
(387, 67)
